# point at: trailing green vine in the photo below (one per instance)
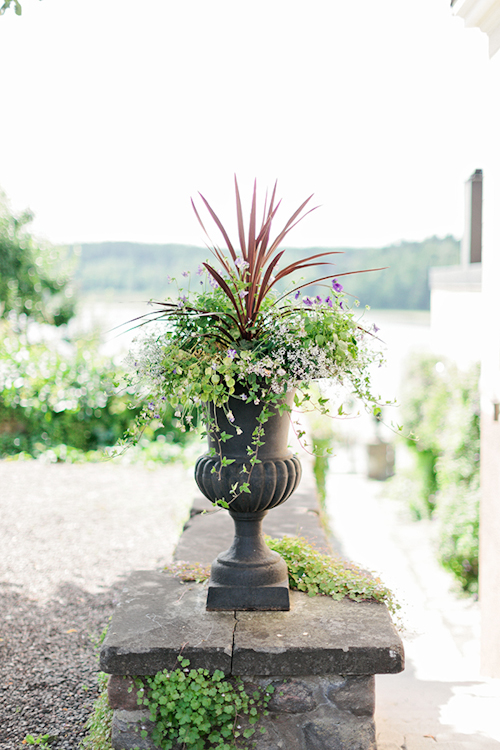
(315, 573)
(312, 572)
(192, 707)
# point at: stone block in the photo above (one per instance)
(156, 619)
(126, 731)
(122, 693)
(317, 636)
(292, 697)
(354, 694)
(301, 716)
(324, 734)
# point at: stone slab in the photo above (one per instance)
(318, 635)
(158, 618)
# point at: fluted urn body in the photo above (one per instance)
(248, 576)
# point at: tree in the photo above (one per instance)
(34, 277)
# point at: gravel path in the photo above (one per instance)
(69, 534)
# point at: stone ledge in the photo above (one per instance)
(158, 617)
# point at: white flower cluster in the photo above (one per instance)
(147, 360)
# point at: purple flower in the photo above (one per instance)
(329, 301)
(307, 301)
(318, 300)
(200, 270)
(376, 329)
(336, 286)
(231, 353)
(296, 295)
(212, 281)
(230, 416)
(243, 397)
(174, 371)
(242, 294)
(185, 274)
(151, 406)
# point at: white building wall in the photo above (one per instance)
(488, 328)
(454, 317)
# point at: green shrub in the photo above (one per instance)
(62, 395)
(441, 406)
(459, 534)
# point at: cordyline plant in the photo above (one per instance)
(239, 338)
(249, 274)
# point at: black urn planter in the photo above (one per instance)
(249, 576)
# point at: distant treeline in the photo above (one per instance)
(127, 267)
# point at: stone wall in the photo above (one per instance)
(331, 712)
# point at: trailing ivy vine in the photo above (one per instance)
(315, 573)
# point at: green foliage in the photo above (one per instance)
(43, 740)
(459, 533)
(441, 406)
(34, 279)
(316, 573)
(197, 356)
(200, 710)
(322, 435)
(322, 452)
(99, 722)
(60, 396)
(129, 267)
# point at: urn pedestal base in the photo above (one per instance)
(265, 598)
(248, 576)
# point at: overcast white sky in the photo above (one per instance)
(114, 113)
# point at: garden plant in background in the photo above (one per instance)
(57, 396)
(441, 406)
(35, 278)
(58, 400)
